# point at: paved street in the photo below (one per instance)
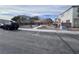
(26, 42)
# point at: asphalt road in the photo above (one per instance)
(24, 42)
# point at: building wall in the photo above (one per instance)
(66, 16)
(75, 13)
(75, 17)
(72, 15)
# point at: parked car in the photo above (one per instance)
(11, 25)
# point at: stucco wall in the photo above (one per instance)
(68, 15)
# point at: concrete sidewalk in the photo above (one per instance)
(54, 31)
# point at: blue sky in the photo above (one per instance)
(9, 11)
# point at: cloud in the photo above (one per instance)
(8, 11)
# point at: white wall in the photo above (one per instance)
(75, 17)
(67, 15)
(71, 14)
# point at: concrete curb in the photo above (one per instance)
(52, 31)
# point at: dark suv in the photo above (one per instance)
(11, 25)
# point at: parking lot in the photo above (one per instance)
(26, 42)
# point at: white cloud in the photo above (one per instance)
(8, 11)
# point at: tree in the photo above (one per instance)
(33, 19)
(21, 19)
(50, 21)
(17, 19)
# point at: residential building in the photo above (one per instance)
(43, 22)
(71, 15)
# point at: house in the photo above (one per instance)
(43, 22)
(70, 16)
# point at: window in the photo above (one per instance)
(78, 10)
(78, 15)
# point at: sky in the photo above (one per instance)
(45, 11)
